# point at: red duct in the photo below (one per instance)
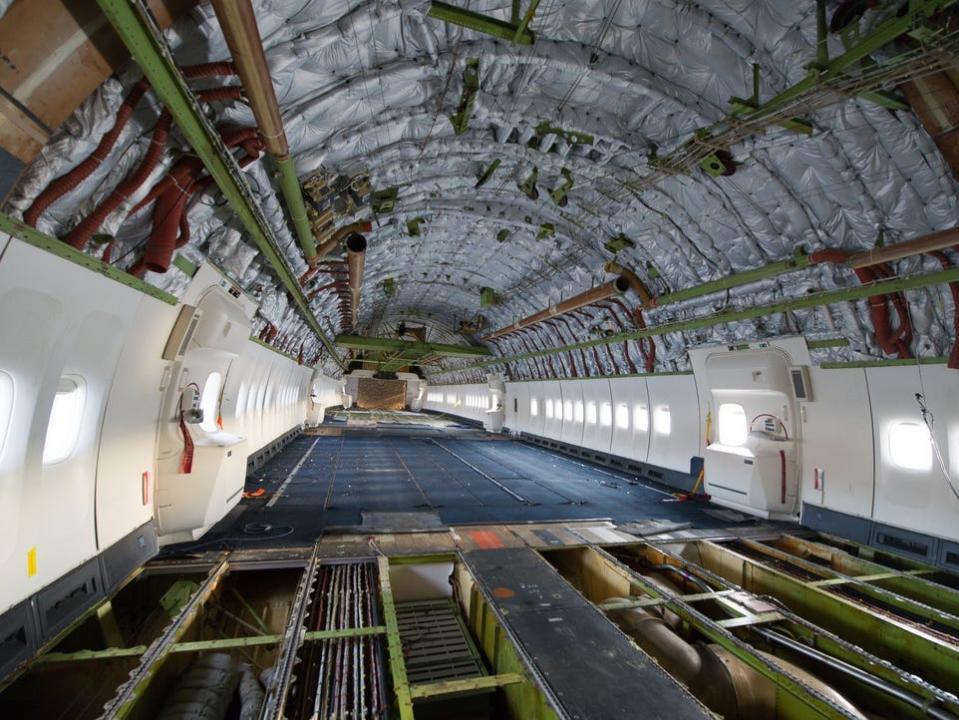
(80, 234)
(647, 345)
(953, 363)
(68, 182)
(889, 341)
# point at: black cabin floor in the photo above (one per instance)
(322, 483)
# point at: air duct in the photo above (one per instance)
(238, 21)
(590, 297)
(356, 260)
(330, 246)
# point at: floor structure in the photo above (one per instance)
(362, 475)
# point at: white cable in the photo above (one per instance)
(929, 419)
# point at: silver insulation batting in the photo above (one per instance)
(373, 85)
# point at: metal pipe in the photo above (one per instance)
(859, 292)
(607, 290)
(238, 22)
(635, 284)
(860, 675)
(356, 258)
(330, 246)
(917, 246)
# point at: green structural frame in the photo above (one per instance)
(40, 240)
(517, 31)
(139, 32)
(379, 344)
(860, 292)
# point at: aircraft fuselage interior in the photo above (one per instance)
(479, 359)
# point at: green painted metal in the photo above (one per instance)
(401, 687)
(384, 201)
(480, 23)
(138, 31)
(464, 686)
(316, 635)
(908, 583)
(487, 173)
(521, 29)
(819, 638)
(746, 277)
(883, 362)
(930, 657)
(187, 266)
(293, 194)
(811, 702)
(827, 343)
(464, 111)
(112, 653)
(40, 240)
(380, 344)
(860, 292)
(573, 137)
(879, 595)
(270, 347)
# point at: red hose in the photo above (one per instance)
(953, 363)
(186, 460)
(888, 340)
(782, 481)
(647, 345)
(68, 182)
(65, 183)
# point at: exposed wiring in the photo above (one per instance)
(929, 420)
(773, 417)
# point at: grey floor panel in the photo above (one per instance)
(546, 616)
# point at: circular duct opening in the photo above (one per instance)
(356, 243)
(622, 284)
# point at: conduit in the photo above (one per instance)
(330, 246)
(85, 229)
(356, 259)
(723, 682)
(68, 182)
(238, 22)
(594, 295)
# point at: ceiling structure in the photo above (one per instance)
(505, 176)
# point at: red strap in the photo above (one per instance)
(186, 461)
(782, 487)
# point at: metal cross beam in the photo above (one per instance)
(379, 344)
(516, 31)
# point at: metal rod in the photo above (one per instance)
(238, 22)
(593, 295)
(917, 246)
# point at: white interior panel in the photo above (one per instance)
(917, 499)
(837, 445)
(598, 435)
(572, 432)
(674, 395)
(632, 442)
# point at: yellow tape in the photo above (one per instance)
(32, 562)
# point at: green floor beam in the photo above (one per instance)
(830, 297)
(401, 686)
(139, 32)
(485, 683)
(930, 657)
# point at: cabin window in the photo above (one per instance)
(578, 412)
(641, 418)
(733, 428)
(662, 420)
(533, 407)
(591, 413)
(66, 419)
(622, 416)
(549, 409)
(6, 406)
(210, 401)
(568, 410)
(450, 399)
(910, 446)
(606, 414)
